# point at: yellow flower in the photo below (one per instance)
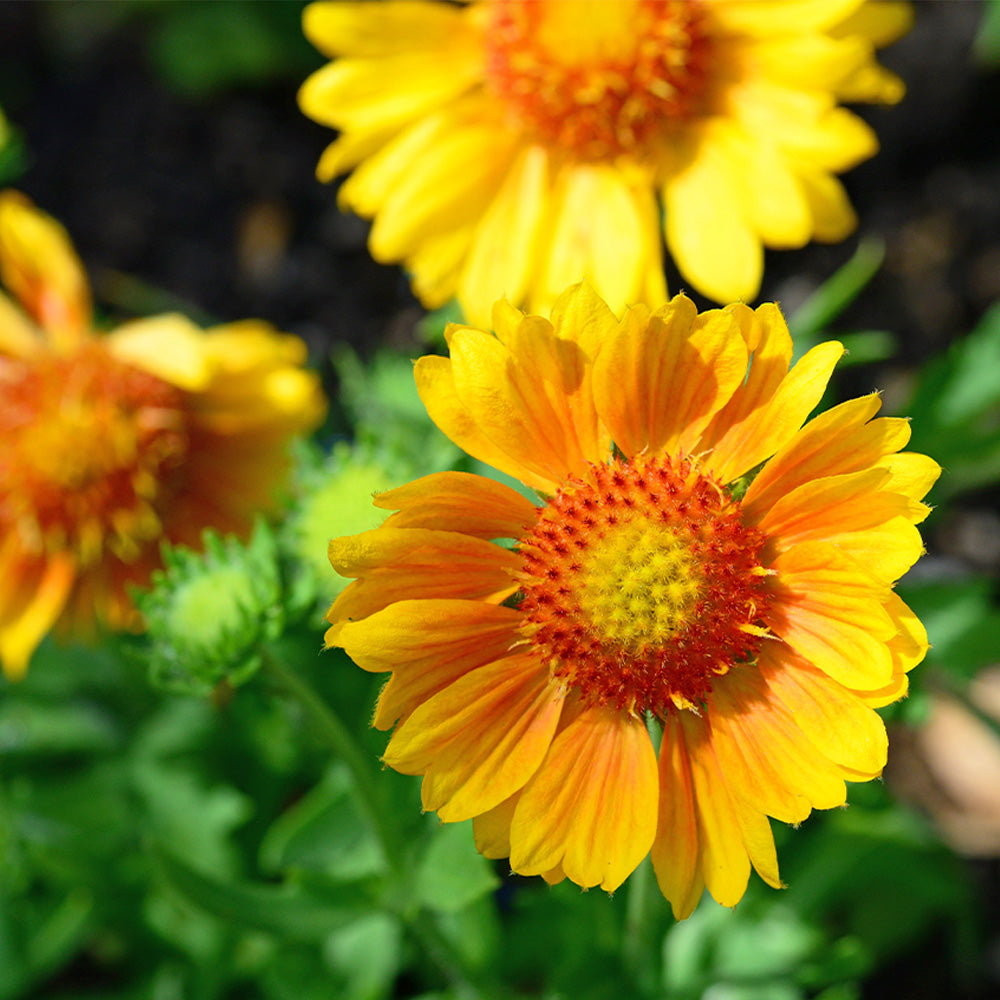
(111, 445)
(747, 620)
(511, 147)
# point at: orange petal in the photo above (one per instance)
(725, 861)
(458, 501)
(41, 269)
(427, 644)
(660, 380)
(396, 564)
(676, 852)
(32, 596)
(838, 723)
(833, 505)
(774, 423)
(480, 739)
(830, 611)
(776, 749)
(886, 551)
(840, 440)
(769, 344)
(436, 385)
(527, 399)
(592, 805)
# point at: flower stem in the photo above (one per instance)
(338, 738)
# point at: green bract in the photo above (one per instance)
(209, 613)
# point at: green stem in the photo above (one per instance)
(338, 737)
(637, 941)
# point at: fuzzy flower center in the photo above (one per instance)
(89, 449)
(642, 584)
(598, 78)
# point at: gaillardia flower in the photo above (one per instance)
(511, 147)
(691, 630)
(111, 445)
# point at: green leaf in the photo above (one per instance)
(955, 409)
(33, 727)
(452, 873)
(288, 911)
(816, 314)
(326, 832)
(365, 956)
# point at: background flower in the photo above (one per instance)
(110, 445)
(514, 146)
(749, 618)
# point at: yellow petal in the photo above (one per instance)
(480, 739)
(766, 17)
(352, 94)
(504, 247)
(170, 347)
(392, 27)
(592, 806)
(833, 217)
(724, 859)
(707, 229)
(436, 385)
(492, 829)
(40, 268)
(880, 21)
(597, 233)
(18, 337)
(453, 181)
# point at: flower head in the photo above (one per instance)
(111, 445)
(515, 146)
(704, 569)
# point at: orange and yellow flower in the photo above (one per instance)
(512, 147)
(705, 571)
(111, 445)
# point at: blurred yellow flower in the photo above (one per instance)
(660, 586)
(111, 445)
(511, 147)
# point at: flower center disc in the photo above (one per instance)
(598, 78)
(641, 584)
(87, 446)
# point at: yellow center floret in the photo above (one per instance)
(641, 584)
(598, 78)
(637, 584)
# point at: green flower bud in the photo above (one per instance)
(209, 613)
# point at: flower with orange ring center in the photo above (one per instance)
(516, 146)
(699, 562)
(111, 445)
(642, 584)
